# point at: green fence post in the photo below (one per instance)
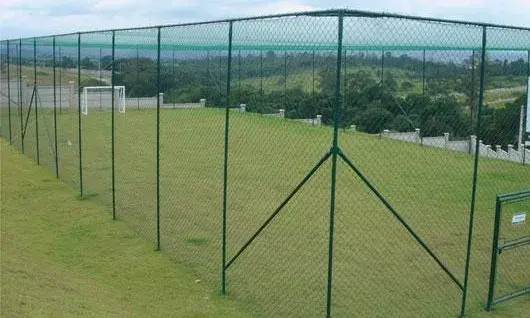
(528, 91)
(334, 151)
(225, 168)
(382, 68)
(112, 133)
(55, 111)
(158, 140)
(9, 93)
(79, 113)
(494, 254)
(20, 95)
(475, 172)
(100, 80)
(36, 98)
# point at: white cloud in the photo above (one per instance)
(22, 18)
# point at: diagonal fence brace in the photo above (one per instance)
(29, 112)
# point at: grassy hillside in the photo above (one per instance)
(62, 256)
(379, 269)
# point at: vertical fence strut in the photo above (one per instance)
(528, 106)
(494, 254)
(80, 139)
(9, 92)
(475, 171)
(20, 93)
(35, 89)
(158, 89)
(113, 125)
(472, 105)
(334, 154)
(225, 166)
(55, 110)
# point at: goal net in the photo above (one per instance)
(101, 97)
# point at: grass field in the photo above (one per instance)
(62, 256)
(379, 269)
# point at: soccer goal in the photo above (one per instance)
(509, 273)
(101, 97)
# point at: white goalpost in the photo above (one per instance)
(102, 97)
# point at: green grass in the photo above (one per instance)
(65, 257)
(379, 269)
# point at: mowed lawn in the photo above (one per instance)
(379, 270)
(64, 257)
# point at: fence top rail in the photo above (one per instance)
(514, 195)
(321, 13)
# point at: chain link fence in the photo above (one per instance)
(332, 163)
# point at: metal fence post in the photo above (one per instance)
(334, 151)
(20, 95)
(9, 93)
(36, 98)
(528, 91)
(113, 139)
(55, 111)
(494, 254)
(225, 168)
(158, 141)
(475, 172)
(79, 113)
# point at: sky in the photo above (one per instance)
(26, 18)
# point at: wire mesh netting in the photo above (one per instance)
(136, 132)
(191, 144)
(67, 109)
(326, 163)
